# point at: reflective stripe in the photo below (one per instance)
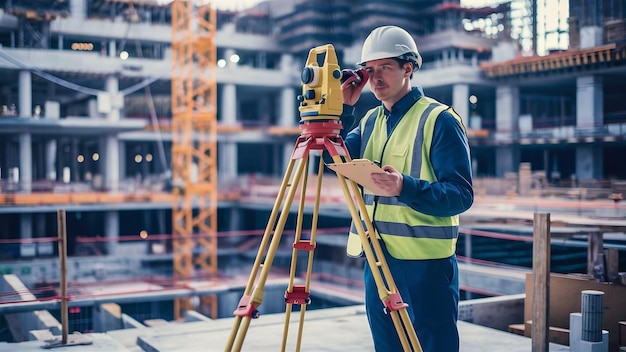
(366, 131)
(368, 199)
(416, 163)
(404, 230)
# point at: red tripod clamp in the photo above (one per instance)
(297, 296)
(247, 308)
(394, 302)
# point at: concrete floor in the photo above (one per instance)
(325, 330)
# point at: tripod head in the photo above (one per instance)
(321, 87)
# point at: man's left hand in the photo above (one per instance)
(351, 89)
(390, 181)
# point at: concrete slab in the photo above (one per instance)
(325, 330)
(99, 343)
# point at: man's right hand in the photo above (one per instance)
(352, 87)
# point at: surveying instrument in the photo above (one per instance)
(320, 109)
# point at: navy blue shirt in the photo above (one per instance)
(452, 193)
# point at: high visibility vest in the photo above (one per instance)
(407, 234)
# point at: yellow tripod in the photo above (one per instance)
(320, 136)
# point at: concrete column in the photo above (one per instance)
(51, 111)
(589, 117)
(288, 104)
(27, 248)
(286, 63)
(122, 161)
(507, 110)
(589, 102)
(235, 223)
(591, 36)
(74, 174)
(227, 170)
(288, 118)
(228, 104)
(589, 162)
(261, 60)
(227, 150)
(112, 163)
(160, 221)
(288, 107)
(507, 120)
(159, 247)
(25, 108)
(112, 230)
(460, 101)
(228, 53)
(51, 159)
(39, 225)
(112, 151)
(77, 8)
(112, 48)
(26, 162)
(25, 141)
(264, 110)
(116, 100)
(507, 159)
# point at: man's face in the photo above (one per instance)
(388, 80)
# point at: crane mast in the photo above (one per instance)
(194, 149)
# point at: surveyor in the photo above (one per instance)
(422, 146)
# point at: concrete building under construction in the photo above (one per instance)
(93, 122)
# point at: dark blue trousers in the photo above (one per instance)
(431, 289)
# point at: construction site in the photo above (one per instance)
(145, 146)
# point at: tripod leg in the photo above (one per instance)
(290, 293)
(300, 294)
(387, 290)
(253, 296)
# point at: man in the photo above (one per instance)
(422, 147)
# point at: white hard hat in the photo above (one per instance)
(390, 42)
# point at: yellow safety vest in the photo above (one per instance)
(407, 234)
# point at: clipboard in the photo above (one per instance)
(359, 171)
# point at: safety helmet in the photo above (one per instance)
(390, 42)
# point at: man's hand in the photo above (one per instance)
(352, 87)
(390, 181)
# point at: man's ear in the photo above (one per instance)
(408, 68)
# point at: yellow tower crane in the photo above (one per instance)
(194, 148)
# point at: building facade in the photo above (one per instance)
(86, 110)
